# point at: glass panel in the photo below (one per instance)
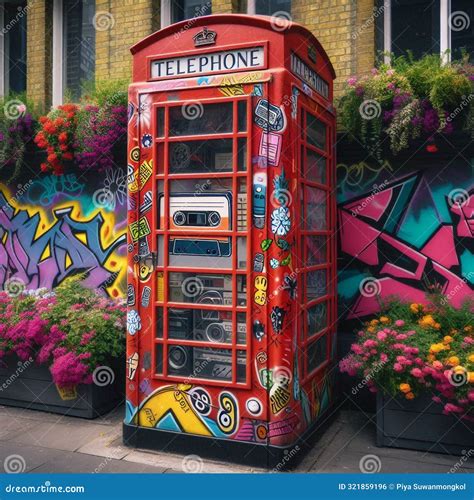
(315, 208)
(241, 291)
(242, 154)
(271, 7)
(194, 118)
(462, 39)
(159, 323)
(159, 359)
(242, 115)
(242, 253)
(315, 132)
(315, 284)
(188, 9)
(317, 318)
(317, 353)
(160, 158)
(315, 250)
(79, 44)
(14, 34)
(180, 361)
(200, 288)
(204, 325)
(215, 364)
(241, 362)
(212, 155)
(160, 122)
(315, 167)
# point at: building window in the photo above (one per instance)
(281, 8)
(73, 48)
(427, 27)
(174, 11)
(13, 47)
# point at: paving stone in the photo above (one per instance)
(109, 445)
(31, 456)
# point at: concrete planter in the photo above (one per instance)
(28, 385)
(420, 425)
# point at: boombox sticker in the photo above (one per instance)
(211, 212)
(269, 117)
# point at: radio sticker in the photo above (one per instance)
(259, 199)
(269, 117)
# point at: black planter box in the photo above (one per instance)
(419, 424)
(34, 389)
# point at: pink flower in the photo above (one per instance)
(399, 322)
(374, 71)
(450, 408)
(383, 358)
(357, 349)
(436, 399)
(398, 367)
(416, 372)
(381, 335)
(352, 81)
(401, 336)
(369, 343)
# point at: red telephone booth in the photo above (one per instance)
(232, 260)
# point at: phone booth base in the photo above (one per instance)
(231, 299)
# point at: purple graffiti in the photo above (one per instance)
(67, 248)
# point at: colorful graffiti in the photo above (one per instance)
(41, 246)
(406, 237)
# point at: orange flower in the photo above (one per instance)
(410, 395)
(384, 319)
(405, 388)
(447, 339)
(453, 361)
(415, 308)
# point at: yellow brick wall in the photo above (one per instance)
(39, 44)
(129, 22)
(345, 28)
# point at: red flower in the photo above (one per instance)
(62, 137)
(68, 156)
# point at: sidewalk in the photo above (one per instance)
(50, 443)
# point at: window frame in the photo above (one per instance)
(444, 35)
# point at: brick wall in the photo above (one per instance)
(130, 21)
(39, 45)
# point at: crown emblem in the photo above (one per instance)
(205, 37)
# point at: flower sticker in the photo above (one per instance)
(274, 263)
(281, 222)
(133, 322)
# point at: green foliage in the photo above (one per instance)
(106, 93)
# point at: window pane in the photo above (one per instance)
(317, 353)
(205, 325)
(215, 364)
(200, 156)
(415, 27)
(270, 7)
(317, 318)
(242, 116)
(193, 118)
(315, 209)
(315, 167)
(315, 132)
(462, 28)
(15, 46)
(187, 9)
(315, 250)
(315, 284)
(79, 44)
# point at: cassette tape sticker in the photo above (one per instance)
(259, 199)
(269, 117)
(146, 294)
(270, 147)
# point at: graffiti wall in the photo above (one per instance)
(53, 227)
(406, 228)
